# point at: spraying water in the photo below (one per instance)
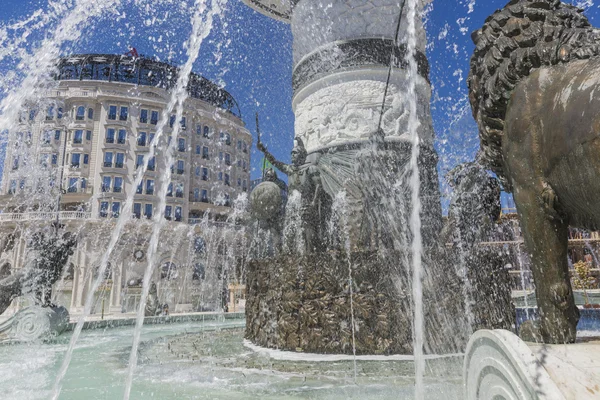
(415, 217)
(522, 275)
(339, 223)
(201, 28)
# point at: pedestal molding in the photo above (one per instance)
(499, 363)
(345, 55)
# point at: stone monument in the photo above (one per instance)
(352, 150)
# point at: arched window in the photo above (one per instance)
(5, 270)
(199, 245)
(70, 272)
(198, 273)
(168, 271)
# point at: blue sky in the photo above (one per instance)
(251, 55)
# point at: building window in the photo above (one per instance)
(172, 121)
(198, 150)
(108, 159)
(78, 137)
(206, 132)
(83, 184)
(197, 171)
(54, 159)
(244, 185)
(110, 135)
(12, 187)
(196, 194)
(90, 113)
(137, 210)
(103, 209)
(15, 163)
(181, 144)
(205, 174)
(227, 159)
(144, 116)
(245, 166)
(227, 200)
(88, 135)
(44, 159)
(154, 117)
(116, 209)
(106, 180)
(198, 129)
(75, 160)
(183, 123)
(139, 161)
(120, 160)
(124, 114)
(148, 211)
(220, 176)
(72, 188)
(59, 113)
(227, 180)
(239, 144)
(204, 197)
(86, 159)
(140, 188)
(152, 164)
(122, 136)
(170, 190)
(118, 187)
(80, 116)
(245, 146)
(141, 141)
(179, 190)
(50, 113)
(150, 138)
(168, 212)
(177, 213)
(46, 137)
(205, 154)
(220, 156)
(180, 167)
(239, 182)
(150, 186)
(57, 135)
(112, 113)
(239, 163)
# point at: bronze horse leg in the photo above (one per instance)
(546, 238)
(544, 229)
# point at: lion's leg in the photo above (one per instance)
(546, 238)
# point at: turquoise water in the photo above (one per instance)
(205, 361)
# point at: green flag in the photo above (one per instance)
(266, 164)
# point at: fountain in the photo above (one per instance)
(355, 284)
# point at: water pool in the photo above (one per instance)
(206, 360)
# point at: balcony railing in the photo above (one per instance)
(42, 216)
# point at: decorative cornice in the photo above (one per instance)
(353, 54)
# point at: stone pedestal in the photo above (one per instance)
(500, 365)
(303, 304)
(34, 323)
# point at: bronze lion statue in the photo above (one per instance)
(534, 87)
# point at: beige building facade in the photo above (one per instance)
(94, 129)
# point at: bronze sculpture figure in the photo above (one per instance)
(533, 80)
(305, 177)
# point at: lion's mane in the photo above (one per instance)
(523, 36)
